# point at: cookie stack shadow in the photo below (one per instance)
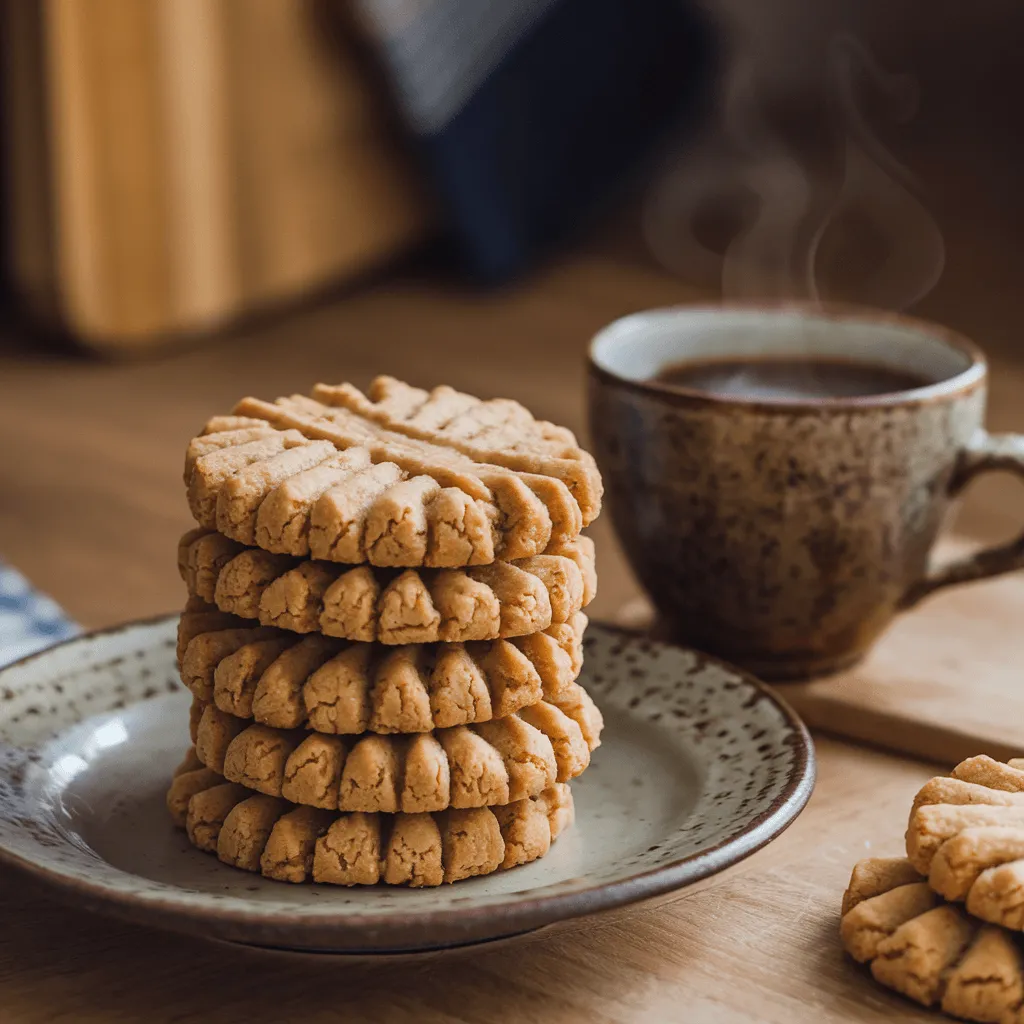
(383, 633)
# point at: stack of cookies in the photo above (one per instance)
(943, 925)
(383, 634)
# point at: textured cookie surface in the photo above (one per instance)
(328, 685)
(504, 599)
(398, 477)
(199, 616)
(966, 836)
(296, 844)
(930, 950)
(483, 765)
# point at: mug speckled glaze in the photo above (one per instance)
(785, 535)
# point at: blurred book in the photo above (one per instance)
(175, 164)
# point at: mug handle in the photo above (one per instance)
(984, 453)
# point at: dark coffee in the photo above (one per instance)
(790, 377)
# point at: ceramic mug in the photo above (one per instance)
(785, 535)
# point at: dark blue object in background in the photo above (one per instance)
(530, 113)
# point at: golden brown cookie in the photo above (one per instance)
(190, 777)
(198, 617)
(206, 810)
(503, 599)
(489, 763)
(391, 479)
(537, 453)
(205, 651)
(966, 835)
(305, 844)
(498, 431)
(930, 950)
(334, 686)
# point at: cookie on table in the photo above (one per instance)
(397, 478)
(504, 599)
(334, 686)
(930, 950)
(482, 765)
(966, 835)
(296, 844)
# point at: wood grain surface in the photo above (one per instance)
(92, 506)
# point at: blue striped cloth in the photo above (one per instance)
(29, 621)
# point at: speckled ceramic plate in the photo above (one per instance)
(700, 766)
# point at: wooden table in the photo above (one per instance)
(92, 506)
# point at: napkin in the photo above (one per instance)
(29, 620)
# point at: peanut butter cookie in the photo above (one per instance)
(966, 835)
(490, 763)
(932, 951)
(334, 686)
(306, 844)
(400, 477)
(503, 599)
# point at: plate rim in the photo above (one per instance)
(413, 927)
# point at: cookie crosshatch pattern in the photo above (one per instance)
(384, 622)
(401, 477)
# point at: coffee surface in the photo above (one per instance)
(783, 377)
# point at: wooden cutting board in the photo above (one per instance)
(946, 681)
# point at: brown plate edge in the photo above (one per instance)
(366, 934)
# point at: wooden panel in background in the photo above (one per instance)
(183, 162)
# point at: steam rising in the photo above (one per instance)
(846, 226)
